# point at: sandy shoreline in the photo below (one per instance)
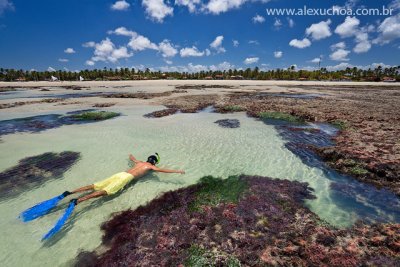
(177, 82)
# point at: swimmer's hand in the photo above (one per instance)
(181, 172)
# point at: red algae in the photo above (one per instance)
(264, 222)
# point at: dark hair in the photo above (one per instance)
(152, 159)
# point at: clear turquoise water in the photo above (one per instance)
(185, 141)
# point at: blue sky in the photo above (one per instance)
(191, 35)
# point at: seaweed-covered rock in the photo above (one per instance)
(249, 220)
(44, 122)
(228, 123)
(140, 95)
(95, 115)
(161, 113)
(33, 171)
(103, 105)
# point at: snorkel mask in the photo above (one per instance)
(158, 158)
(154, 159)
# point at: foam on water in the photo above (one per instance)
(192, 142)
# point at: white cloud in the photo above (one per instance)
(196, 68)
(258, 19)
(277, 23)
(300, 43)
(63, 60)
(120, 5)
(89, 63)
(254, 42)
(220, 6)
(362, 47)
(340, 55)
(123, 31)
(191, 52)
(217, 44)
(140, 43)
(51, 69)
(344, 65)
(157, 9)
(214, 6)
(250, 60)
(319, 30)
(388, 30)
(315, 60)
(235, 43)
(278, 54)
(395, 4)
(89, 44)
(190, 4)
(107, 52)
(6, 5)
(169, 62)
(290, 22)
(69, 51)
(167, 49)
(340, 45)
(222, 66)
(348, 28)
(340, 66)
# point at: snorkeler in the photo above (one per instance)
(118, 181)
(108, 186)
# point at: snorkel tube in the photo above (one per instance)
(158, 158)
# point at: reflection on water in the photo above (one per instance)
(192, 142)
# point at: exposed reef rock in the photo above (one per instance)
(137, 95)
(23, 103)
(202, 86)
(34, 171)
(103, 105)
(228, 123)
(161, 113)
(369, 125)
(44, 122)
(248, 220)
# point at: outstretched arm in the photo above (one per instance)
(167, 171)
(131, 157)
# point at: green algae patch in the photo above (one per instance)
(214, 191)
(358, 170)
(232, 108)
(341, 125)
(200, 257)
(95, 115)
(272, 115)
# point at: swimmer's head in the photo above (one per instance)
(153, 159)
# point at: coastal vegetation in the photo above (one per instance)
(291, 73)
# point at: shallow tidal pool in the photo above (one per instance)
(192, 142)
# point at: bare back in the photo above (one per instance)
(141, 168)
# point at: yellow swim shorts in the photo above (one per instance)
(114, 183)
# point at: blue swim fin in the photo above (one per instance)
(42, 208)
(62, 220)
